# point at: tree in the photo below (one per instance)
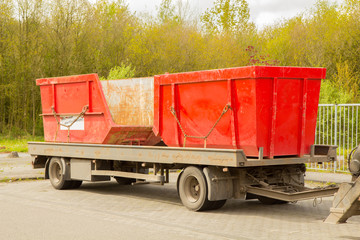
(120, 72)
(227, 16)
(47, 38)
(166, 11)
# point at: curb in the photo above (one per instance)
(18, 179)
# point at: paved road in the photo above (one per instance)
(34, 210)
(18, 168)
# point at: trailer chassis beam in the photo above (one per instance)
(147, 177)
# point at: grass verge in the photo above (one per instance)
(9, 180)
(314, 184)
(19, 144)
(327, 171)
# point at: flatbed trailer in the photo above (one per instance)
(238, 133)
(208, 178)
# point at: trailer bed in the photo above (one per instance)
(165, 155)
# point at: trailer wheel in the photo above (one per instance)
(193, 189)
(216, 204)
(56, 174)
(270, 201)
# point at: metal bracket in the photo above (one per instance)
(261, 153)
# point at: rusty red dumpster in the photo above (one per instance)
(85, 110)
(265, 109)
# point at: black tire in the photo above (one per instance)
(270, 201)
(178, 181)
(216, 204)
(56, 175)
(124, 181)
(193, 189)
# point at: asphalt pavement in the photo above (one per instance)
(13, 169)
(107, 210)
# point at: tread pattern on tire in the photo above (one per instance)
(216, 204)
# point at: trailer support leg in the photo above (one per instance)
(167, 176)
(346, 203)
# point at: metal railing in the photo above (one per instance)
(337, 124)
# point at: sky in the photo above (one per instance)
(262, 12)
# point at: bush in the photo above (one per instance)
(120, 72)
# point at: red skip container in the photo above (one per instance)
(83, 109)
(273, 109)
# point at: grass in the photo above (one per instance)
(327, 171)
(10, 144)
(310, 183)
(9, 180)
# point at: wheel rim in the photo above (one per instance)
(56, 172)
(192, 189)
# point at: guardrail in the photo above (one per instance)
(337, 124)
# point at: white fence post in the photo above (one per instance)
(335, 134)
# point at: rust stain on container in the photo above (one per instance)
(131, 101)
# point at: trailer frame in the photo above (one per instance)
(226, 173)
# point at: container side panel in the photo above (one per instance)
(274, 108)
(288, 116)
(208, 75)
(70, 99)
(264, 88)
(158, 97)
(288, 72)
(210, 99)
(46, 98)
(246, 113)
(94, 131)
(166, 118)
(130, 101)
(313, 91)
(97, 102)
(67, 93)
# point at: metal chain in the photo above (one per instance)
(172, 110)
(316, 202)
(84, 109)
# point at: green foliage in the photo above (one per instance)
(11, 144)
(331, 94)
(120, 72)
(227, 16)
(65, 37)
(166, 11)
(342, 88)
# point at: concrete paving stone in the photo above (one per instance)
(327, 177)
(18, 168)
(34, 210)
(154, 212)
